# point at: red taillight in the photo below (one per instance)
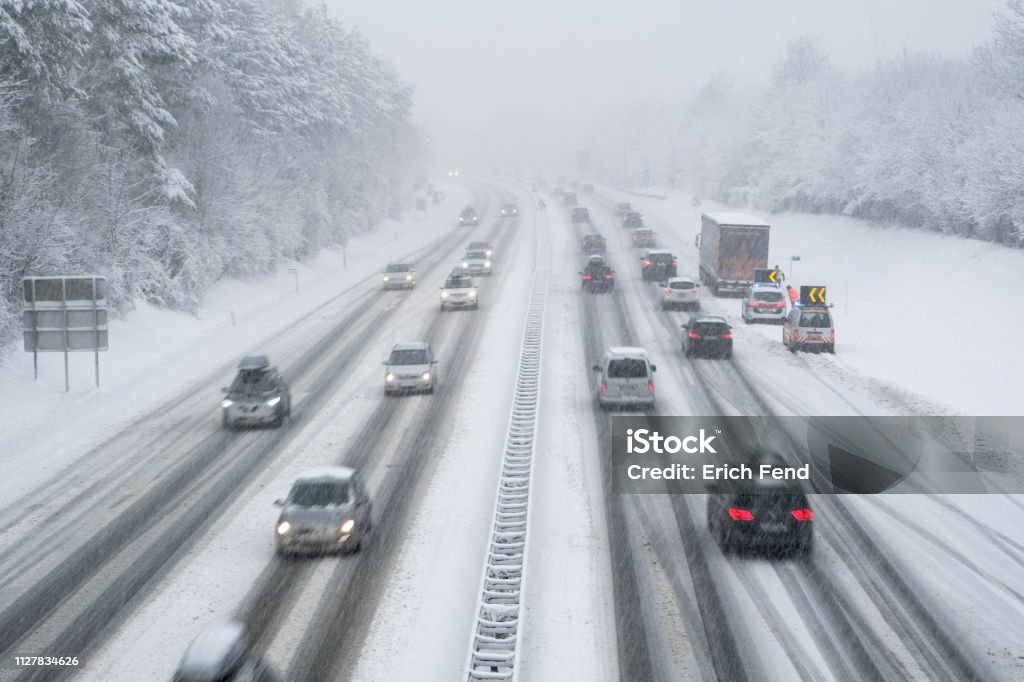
(696, 291)
(609, 276)
(741, 515)
(647, 263)
(727, 335)
(650, 386)
(780, 305)
(634, 237)
(604, 387)
(802, 514)
(586, 278)
(753, 304)
(832, 337)
(673, 263)
(692, 335)
(668, 291)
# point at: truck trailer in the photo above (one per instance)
(732, 246)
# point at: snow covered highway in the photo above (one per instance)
(167, 521)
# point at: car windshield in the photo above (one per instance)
(478, 245)
(711, 328)
(682, 285)
(768, 296)
(816, 320)
(661, 258)
(408, 356)
(627, 368)
(458, 283)
(476, 255)
(397, 267)
(467, 211)
(254, 381)
(643, 233)
(320, 493)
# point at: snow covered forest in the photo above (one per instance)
(168, 143)
(924, 140)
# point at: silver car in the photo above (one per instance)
(680, 292)
(625, 378)
(257, 396)
(459, 292)
(763, 302)
(644, 237)
(476, 263)
(327, 510)
(410, 369)
(398, 276)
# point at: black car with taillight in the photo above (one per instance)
(597, 276)
(658, 266)
(594, 243)
(632, 219)
(762, 517)
(708, 336)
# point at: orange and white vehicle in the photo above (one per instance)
(809, 328)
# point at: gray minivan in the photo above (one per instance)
(625, 378)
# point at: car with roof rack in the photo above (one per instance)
(258, 395)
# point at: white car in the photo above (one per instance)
(459, 292)
(763, 302)
(477, 263)
(398, 276)
(625, 378)
(680, 292)
(410, 368)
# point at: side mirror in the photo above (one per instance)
(597, 368)
(384, 362)
(654, 368)
(433, 362)
(278, 502)
(697, 240)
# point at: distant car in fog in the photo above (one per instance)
(459, 292)
(398, 276)
(632, 219)
(658, 265)
(643, 237)
(580, 214)
(509, 211)
(453, 174)
(623, 208)
(486, 247)
(410, 368)
(258, 395)
(221, 653)
(680, 292)
(327, 510)
(594, 243)
(469, 216)
(569, 198)
(772, 516)
(625, 378)
(558, 192)
(477, 263)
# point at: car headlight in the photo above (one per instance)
(227, 403)
(386, 278)
(426, 376)
(489, 254)
(284, 528)
(389, 376)
(465, 264)
(472, 294)
(348, 526)
(487, 263)
(444, 294)
(409, 277)
(273, 401)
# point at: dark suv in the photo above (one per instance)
(632, 219)
(764, 516)
(705, 335)
(580, 214)
(597, 276)
(258, 395)
(594, 243)
(658, 266)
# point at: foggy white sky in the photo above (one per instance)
(491, 76)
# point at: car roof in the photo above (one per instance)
(473, 245)
(411, 345)
(656, 252)
(627, 352)
(681, 279)
(399, 265)
(215, 650)
(334, 473)
(709, 318)
(254, 362)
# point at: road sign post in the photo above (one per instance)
(65, 315)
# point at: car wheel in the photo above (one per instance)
(832, 349)
(278, 421)
(728, 355)
(430, 391)
(696, 306)
(664, 306)
(791, 346)
(748, 320)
